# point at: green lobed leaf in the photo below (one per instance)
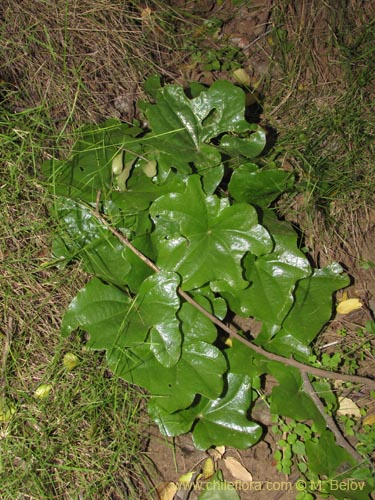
(258, 186)
(203, 238)
(311, 310)
(81, 236)
(221, 109)
(200, 368)
(272, 276)
(289, 397)
(116, 322)
(343, 478)
(99, 309)
(216, 305)
(152, 84)
(141, 192)
(183, 128)
(139, 270)
(210, 168)
(249, 147)
(331, 460)
(244, 361)
(222, 421)
(324, 390)
(90, 167)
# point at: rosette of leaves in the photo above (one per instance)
(190, 194)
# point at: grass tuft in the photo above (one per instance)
(322, 106)
(82, 440)
(64, 64)
(82, 62)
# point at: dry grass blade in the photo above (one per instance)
(86, 59)
(63, 64)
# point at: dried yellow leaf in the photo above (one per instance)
(349, 305)
(146, 13)
(344, 296)
(237, 470)
(208, 468)
(186, 478)
(369, 419)
(228, 342)
(7, 410)
(348, 407)
(42, 391)
(217, 453)
(70, 361)
(242, 76)
(166, 491)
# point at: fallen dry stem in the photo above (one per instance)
(232, 333)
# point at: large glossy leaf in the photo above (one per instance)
(216, 305)
(99, 309)
(207, 237)
(222, 421)
(89, 169)
(139, 270)
(82, 237)
(272, 277)
(210, 168)
(327, 459)
(249, 147)
(244, 361)
(311, 310)
(115, 322)
(289, 397)
(141, 191)
(183, 128)
(199, 370)
(258, 186)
